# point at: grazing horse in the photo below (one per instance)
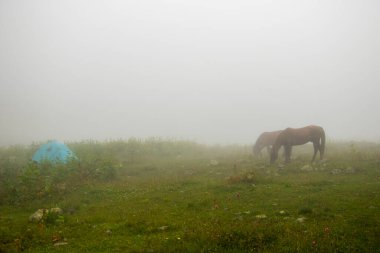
(265, 139)
(299, 136)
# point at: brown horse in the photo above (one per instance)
(299, 136)
(265, 139)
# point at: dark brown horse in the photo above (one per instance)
(265, 139)
(299, 136)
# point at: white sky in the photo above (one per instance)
(214, 71)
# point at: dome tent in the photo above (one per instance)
(53, 151)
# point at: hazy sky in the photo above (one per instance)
(212, 71)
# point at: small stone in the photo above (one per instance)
(214, 162)
(56, 210)
(163, 228)
(307, 168)
(60, 243)
(249, 176)
(261, 216)
(38, 215)
(70, 210)
(301, 219)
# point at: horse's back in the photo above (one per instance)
(300, 136)
(311, 129)
(269, 138)
(315, 127)
(317, 131)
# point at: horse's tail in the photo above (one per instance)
(323, 141)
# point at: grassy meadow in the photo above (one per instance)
(158, 195)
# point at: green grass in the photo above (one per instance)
(170, 196)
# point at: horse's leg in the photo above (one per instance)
(316, 148)
(288, 151)
(269, 149)
(321, 151)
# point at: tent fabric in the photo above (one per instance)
(53, 151)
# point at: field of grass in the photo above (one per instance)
(176, 196)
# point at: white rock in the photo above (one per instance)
(38, 215)
(56, 210)
(214, 162)
(335, 171)
(60, 243)
(301, 219)
(307, 168)
(261, 216)
(163, 228)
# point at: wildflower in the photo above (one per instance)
(216, 205)
(56, 238)
(163, 228)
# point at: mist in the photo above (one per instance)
(210, 71)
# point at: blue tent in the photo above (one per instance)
(53, 151)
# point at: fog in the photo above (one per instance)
(211, 71)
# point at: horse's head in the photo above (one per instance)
(256, 149)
